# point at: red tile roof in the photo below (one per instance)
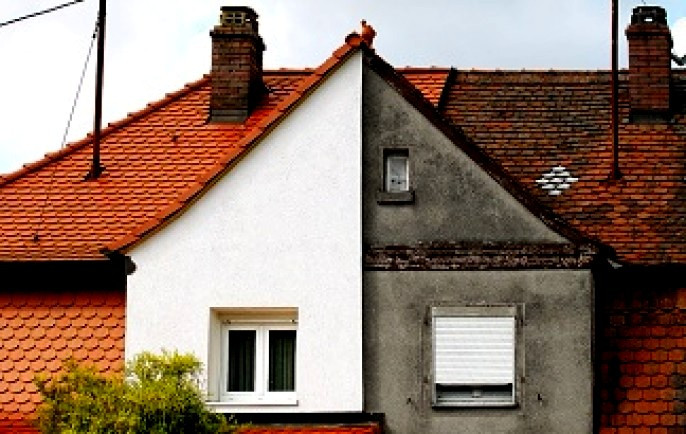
(429, 81)
(40, 330)
(156, 161)
(642, 357)
(162, 158)
(532, 121)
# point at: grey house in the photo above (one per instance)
(478, 306)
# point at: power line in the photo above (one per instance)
(36, 234)
(43, 12)
(78, 89)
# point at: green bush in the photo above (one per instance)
(159, 394)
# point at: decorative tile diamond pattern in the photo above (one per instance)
(556, 181)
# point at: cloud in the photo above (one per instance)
(155, 46)
(679, 36)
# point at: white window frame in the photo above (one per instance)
(261, 324)
(481, 394)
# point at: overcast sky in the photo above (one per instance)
(155, 46)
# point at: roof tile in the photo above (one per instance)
(162, 157)
(28, 348)
(565, 120)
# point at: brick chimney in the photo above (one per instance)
(650, 45)
(236, 65)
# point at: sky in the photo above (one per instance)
(154, 47)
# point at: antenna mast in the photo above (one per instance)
(96, 167)
(616, 174)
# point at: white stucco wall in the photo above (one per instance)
(281, 229)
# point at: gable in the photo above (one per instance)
(280, 229)
(455, 199)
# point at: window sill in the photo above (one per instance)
(228, 405)
(475, 404)
(395, 198)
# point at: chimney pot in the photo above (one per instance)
(649, 14)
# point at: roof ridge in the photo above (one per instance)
(534, 71)
(422, 69)
(286, 70)
(51, 157)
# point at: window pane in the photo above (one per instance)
(241, 361)
(450, 394)
(396, 172)
(281, 360)
(474, 350)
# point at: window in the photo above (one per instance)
(474, 356)
(396, 187)
(396, 171)
(258, 359)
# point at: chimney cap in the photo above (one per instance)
(241, 16)
(245, 9)
(649, 15)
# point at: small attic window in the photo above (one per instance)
(396, 185)
(557, 180)
(396, 171)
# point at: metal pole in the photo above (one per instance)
(96, 168)
(616, 174)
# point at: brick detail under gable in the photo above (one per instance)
(642, 354)
(39, 330)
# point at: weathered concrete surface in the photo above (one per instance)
(454, 198)
(555, 358)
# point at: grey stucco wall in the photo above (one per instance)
(554, 352)
(454, 198)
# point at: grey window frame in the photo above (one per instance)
(515, 311)
(383, 195)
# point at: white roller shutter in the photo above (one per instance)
(474, 350)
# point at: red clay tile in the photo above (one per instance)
(563, 121)
(31, 349)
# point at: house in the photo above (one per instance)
(357, 247)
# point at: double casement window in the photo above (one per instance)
(258, 360)
(474, 356)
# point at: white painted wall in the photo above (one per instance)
(282, 229)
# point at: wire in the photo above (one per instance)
(36, 234)
(45, 11)
(78, 89)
